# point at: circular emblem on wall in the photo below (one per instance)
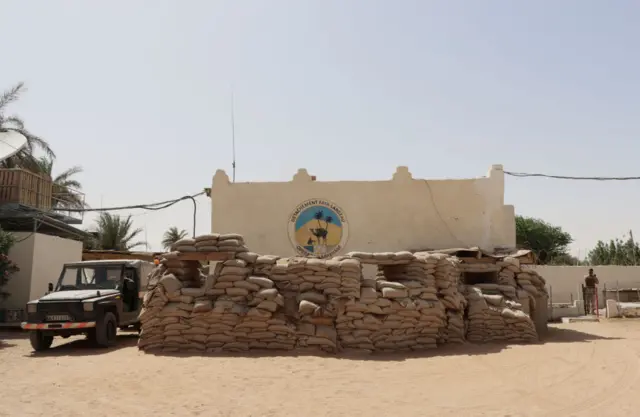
(318, 228)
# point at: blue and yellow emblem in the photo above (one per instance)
(318, 228)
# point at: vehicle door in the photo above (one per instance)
(129, 293)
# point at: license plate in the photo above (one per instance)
(58, 317)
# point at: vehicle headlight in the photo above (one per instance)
(87, 306)
(32, 308)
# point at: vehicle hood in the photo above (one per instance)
(77, 295)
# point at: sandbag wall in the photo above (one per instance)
(499, 310)
(397, 310)
(416, 301)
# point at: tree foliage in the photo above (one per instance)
(63, 195)
(550, 243)
(25, 157)
(171, 236)
(114, 232)
(616, 252)
(7, 267)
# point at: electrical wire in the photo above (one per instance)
(150, 206)
(566, 177)
(30, 234)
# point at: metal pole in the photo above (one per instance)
(233, 137)
(604, 295)
(617, 292)
(597, 304)
(550, 302)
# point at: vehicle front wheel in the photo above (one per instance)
(40, 341)
(106, 331)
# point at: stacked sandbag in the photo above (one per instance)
(232, 281)
(262, 264)
(164, 315)
(447, 274)
(492, 317)
(253, 305)
(250, 301)
(152, 326)
(399, 310)
(382, 320)
(236, 326)
(382, 258)
(333, 278)
(188, 272)
(417, 275)
(316, 322)
(530, 281)
(246, 315)
(212, 242)
(359, 321)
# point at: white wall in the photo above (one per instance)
(40, 258)
(50, 253)
(398, 214)
(22, 255)
(565, 281)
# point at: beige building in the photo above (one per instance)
(40, 258)
(45, 239)
(321, 218)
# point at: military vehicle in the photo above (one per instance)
(91, 297)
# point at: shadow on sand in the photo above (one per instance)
(7, 337)
(84, 347)
(554, 335)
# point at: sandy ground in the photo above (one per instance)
(583, 369)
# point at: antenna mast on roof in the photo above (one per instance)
(233, 138)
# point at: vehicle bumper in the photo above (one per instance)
(57, 326)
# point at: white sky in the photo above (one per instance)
(138, 93)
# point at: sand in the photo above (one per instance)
(585, 369)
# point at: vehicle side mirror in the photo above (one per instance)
(50, 287)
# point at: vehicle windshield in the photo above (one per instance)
(90, 277)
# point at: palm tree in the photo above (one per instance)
(62, 194)
(116, 233)
(318, 216)
(24, 158)
(171, 236)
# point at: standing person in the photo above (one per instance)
(590, 283)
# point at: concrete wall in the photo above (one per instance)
(19, 285)
(50, 253)
(565, 280)
(398, 214)
(40, 258)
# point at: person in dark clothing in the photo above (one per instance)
(590, 284)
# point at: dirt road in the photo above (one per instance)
(586, 369)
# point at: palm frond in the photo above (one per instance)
(34, 142)
(115, 232)
(13, 122)
(171, 236)
(11, 95)
(130, 246)
(63, 178)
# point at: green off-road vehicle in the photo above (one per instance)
(91, 297)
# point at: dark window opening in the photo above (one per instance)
(474, 278)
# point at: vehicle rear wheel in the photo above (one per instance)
(40, 341)
(106, 331)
